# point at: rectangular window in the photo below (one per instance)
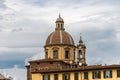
(85, 75)
(46, 77)
(55, 54)
(55, 76)
(67, 54)
(118, 73)
(46, 55)
(96, 75)
(108, 74)
(80, 54)
(76, 76)
(66, 76)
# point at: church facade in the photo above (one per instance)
(66, 61)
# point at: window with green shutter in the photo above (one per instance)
(76, 76)
(46, 77)
(55, 76)
(85, 75)
(66, 76)
(108, 74)
(96, 74)
(118, 73)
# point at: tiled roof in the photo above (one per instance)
(97, 67)
(47, 60)
(84, 68)
(59, 37)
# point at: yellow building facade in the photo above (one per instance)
(72, 76)
(66, 61)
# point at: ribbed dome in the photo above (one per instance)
(59, 37)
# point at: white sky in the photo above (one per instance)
(25, 25)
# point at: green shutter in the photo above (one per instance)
(76, 76)
(43, 77)
(104, 74)
(118, 73)
(96, 74)
(55, 76)
(99, 74)
(69, 76)
(85, 75)
(93, 75)
(110, 73)
(62, 76)
(48, 77)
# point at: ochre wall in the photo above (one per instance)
(61, 52)
(38, 76)
(114, 75)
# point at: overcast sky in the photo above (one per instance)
(25, 25)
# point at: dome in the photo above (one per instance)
(59, 37)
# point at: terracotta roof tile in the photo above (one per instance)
(85, 68)
(59, 37)
(47, 60)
